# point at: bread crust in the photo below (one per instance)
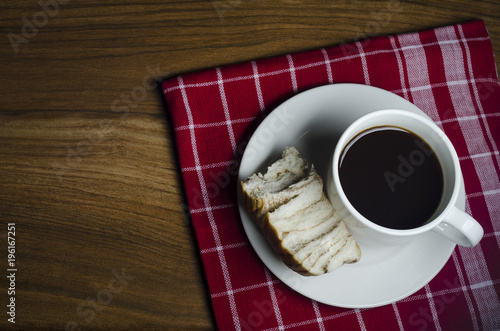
(252, 205)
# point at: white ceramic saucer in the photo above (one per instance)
(313, 121)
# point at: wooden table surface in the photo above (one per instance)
(88, 170)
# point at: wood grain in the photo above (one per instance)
(88, 169)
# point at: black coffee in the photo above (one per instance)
(392, 177)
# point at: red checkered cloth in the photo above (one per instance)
(448, 72)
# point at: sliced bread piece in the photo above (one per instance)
(307, 234)
(297, 218)
(261, 193)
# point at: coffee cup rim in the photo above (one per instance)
(351, 132)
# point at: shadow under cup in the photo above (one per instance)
(367, 232)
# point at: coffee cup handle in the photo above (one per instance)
(460, 228)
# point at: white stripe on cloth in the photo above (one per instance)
(292, 73)
(418, 75)
(476, 93)
(206, 200)
(213, 124)
(243, 289)
(485, 193)
(460, 94)
(464, 289)
(210, 208)
(492, 234)
(218, 248)
(318, 315)
(432, 306)
(398, 317)
(226, 109)
(474, 261)
(457, 291)
(469, 118)
(443, 84)
(361, 322)
(474, 156)
(471, 128)
(491, 202)
(484, 296)
(400, 67)
(207, 166)
(362, 56)
(274, 300)
(328, 66)
(257, 85)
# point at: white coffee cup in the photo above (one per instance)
(448, 221)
